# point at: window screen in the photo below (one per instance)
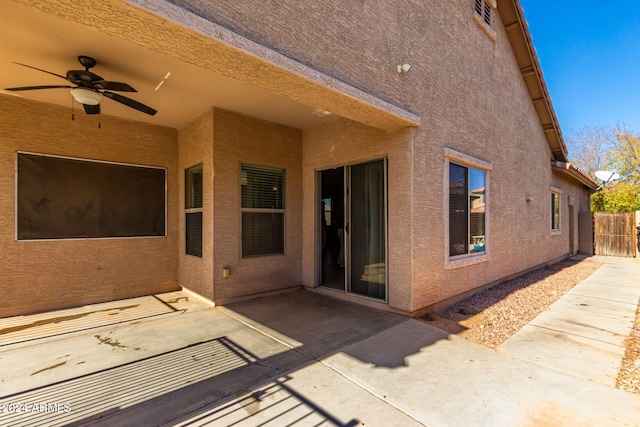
(193, 226)
(65, 198)
(193, 200)
(262, 209)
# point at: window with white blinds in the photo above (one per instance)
(193, 200)
(262, 194)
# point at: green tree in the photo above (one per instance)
(620, 197)
(613, 149)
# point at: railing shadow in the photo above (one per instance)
(156, 390)
(275, 402)
(220, 382)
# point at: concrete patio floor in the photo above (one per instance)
(294, 359)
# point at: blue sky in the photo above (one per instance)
(590, 55)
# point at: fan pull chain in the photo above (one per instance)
(73, 110)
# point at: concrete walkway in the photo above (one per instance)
(294, 359)
(583, 333)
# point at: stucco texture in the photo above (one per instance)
(241, 139)
(346, 143)
(464, 90)
(37, 275)
(196, 146)
(471, 97)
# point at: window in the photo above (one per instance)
(70, 198)
(555, 211)
(193, 196)
(262, 209)
(483, 16)
(467, 207)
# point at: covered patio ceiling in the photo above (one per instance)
(200, 64)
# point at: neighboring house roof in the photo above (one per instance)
(574, 173)
(518, 32)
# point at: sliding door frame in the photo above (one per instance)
(348, 220)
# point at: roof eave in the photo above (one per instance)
(512, 16)
(574, 173)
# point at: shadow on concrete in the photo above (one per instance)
(220, 382)
(275, 402)
(313, 324)
(318, 326)
(156, 390)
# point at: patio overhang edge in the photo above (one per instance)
(170, 30)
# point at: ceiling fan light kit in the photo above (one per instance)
(90, 88)
(86, 96)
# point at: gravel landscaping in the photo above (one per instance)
(492, 316)
(629, 375)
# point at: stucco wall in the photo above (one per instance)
(242, 139)
(467, 90)
(471, 97)
(481, 108)
(345, 143)
(196, 146)
(39, 275)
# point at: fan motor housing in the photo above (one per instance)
(79, 77)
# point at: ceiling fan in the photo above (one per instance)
(90, 88)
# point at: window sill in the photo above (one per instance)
(465, 261)
(486, 28)
(556, 232)
(260, 256)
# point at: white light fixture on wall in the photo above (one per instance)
(403, 68)
(86, 96)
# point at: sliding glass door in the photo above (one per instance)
(353, 219)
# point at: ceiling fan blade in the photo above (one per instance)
(92, 109)
(38, 87)
(130, 103)
(39, 69)
(117, 86)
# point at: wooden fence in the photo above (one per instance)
(615, 234)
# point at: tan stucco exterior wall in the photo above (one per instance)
(466, 88)
(346, 143)
(40, 275)
(481, 108)
(242, 139)
(196, 146)
(471, 97)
